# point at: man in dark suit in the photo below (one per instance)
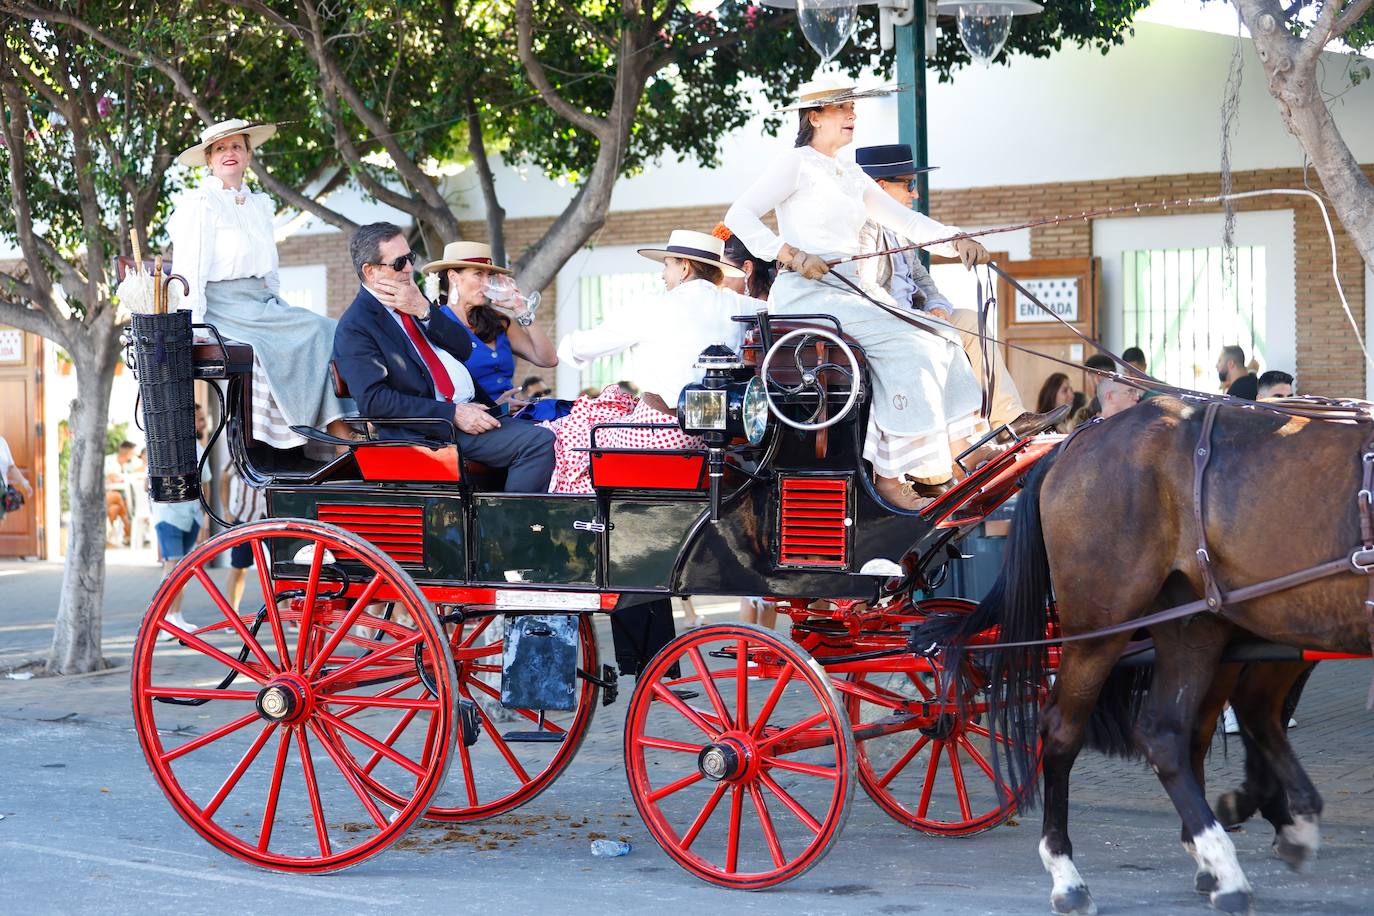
(402, 358)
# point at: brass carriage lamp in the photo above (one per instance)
(985, 24)
(727, 404)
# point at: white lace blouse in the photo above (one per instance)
(821, 204)
(215, 238)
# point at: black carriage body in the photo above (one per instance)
(798, 515)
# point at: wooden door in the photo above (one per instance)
(1070, 286)
(21, 423)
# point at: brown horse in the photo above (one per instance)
(1106, 533)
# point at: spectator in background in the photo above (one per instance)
(533, 388)
(1136, 357)
(1236, 379)
(1275, 384)
(10, 475)
(242, 504)
(179, 527)
(1116, 397)
(1056, 392)
(119, 499)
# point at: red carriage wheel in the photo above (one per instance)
(938, 778)
(739, 756)
(499, 763)
(254, 722)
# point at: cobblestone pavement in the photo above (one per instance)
(85, 827)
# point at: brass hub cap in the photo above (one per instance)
(284, 699)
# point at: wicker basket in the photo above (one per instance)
(162, 361)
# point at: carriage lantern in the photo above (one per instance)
(727, 404)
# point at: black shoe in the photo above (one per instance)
(1031, 424)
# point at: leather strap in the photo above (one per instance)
(1202, 455)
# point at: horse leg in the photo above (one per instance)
(1294, 806)
(1083, 669)
(1223, 683)
(1186, 659)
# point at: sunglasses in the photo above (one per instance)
(910, 184)
(399, 264)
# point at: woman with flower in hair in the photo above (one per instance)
(757, 275)
(667, 333)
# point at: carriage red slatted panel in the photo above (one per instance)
(397, 530)
(813, 521)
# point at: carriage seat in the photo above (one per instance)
(751, 352)
(394, 461)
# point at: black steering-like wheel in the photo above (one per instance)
(809, 380)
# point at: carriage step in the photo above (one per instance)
(534, 737)
(683, 694)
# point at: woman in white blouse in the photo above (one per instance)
(223, 244)
(670, 330)
(926, 399)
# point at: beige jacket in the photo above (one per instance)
(876, 273)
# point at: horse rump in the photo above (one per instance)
(1015, 609)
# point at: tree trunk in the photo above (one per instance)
(1291, 65)
(77, 634)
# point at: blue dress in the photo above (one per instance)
(492, 366)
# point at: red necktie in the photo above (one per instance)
(443, 385)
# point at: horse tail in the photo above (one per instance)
(1110, 728)
(1018, 604)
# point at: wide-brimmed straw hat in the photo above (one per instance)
(458, 255)
(694, 246)
(257, 133)
(832, 89)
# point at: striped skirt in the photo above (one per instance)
(291, 352)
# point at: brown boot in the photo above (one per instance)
(1031, 424)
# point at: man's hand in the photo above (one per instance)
(939, 311)
(402, 296)
(971, 252)
(473, 420)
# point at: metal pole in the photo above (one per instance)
(911, 102)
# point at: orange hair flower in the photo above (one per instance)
(722, 232)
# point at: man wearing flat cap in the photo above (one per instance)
(903, 277)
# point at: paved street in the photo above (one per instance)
(85, 827)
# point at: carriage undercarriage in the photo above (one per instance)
(425, 648)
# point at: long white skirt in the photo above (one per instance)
(925, 394)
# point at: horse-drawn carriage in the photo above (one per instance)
(424, 643)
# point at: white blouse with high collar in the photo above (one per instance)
(821, 203)
(215, 237)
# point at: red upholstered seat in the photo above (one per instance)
(405, 462)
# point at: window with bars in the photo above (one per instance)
(602, 297)
(1182, 305)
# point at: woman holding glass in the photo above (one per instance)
(483, 298)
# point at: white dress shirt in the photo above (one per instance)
(668, 331)
(457, 373)
(215, 238)
(821, 203)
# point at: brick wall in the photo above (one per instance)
(1329, 361)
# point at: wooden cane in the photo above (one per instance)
(159, 294)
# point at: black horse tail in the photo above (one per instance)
(1011, 681)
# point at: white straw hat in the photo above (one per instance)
(256, 133)
(701, 247)
(832, 89)
(458, 255)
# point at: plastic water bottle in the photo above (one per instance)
(609, 849)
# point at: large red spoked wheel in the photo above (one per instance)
(937, 778)
(270, 729)
(502, 762)
(739, 756)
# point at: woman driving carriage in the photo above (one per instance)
(926, 398)
(224, 246)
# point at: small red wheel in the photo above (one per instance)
(502, 768)
(253, 724)
(938, 778)
(739, 756)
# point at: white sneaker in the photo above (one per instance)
(179, 621)
(1229, 723)
(1292, 723)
